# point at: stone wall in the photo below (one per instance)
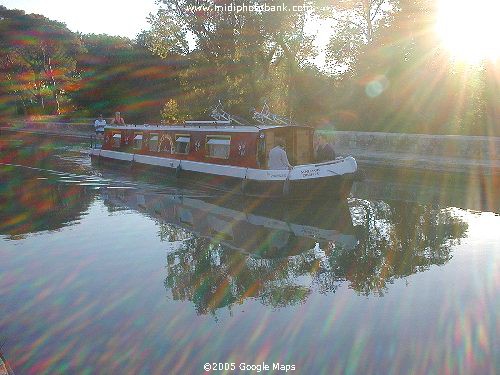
(450, 146)
(63, 127)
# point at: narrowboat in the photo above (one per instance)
(231, 155)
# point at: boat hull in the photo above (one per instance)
(282, 186)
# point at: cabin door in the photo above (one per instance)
(302, 150)
(287, 136)
(298, 144)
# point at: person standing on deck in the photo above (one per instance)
(118, 119)
(325, 151)
(99, 125)
(277, 156)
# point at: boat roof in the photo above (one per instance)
(204, 127)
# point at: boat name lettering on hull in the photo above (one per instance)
(310, 172)
(277, 175)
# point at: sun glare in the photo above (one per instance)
(470, 29)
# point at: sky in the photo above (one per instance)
(112, 17)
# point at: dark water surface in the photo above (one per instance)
(106, 272)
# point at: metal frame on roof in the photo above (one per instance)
(265, 116)
(219, 114)
(224, 121)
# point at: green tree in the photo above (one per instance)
(119, 73)
(394, 74)
(38, 57)
(356, 25)
(171, 112)
(239, 57)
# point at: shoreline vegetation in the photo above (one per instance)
(385, 69)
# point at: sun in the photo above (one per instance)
(470, 30)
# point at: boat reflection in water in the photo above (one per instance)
(229, 251)
(257, 227)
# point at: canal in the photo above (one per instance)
(106, 271)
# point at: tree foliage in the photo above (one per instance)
(357, 23)
(38, 64)
(121, 74)
(47, 69)
(385, 68)
(399, 78)
(238, 57)
(171, 114)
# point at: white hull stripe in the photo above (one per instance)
(300, 172)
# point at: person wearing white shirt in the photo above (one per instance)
(277, 156)
(99, 125)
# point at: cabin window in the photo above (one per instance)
(117, 139)
(138, 141)
(218, 146)
(153, 143)
(182, 144)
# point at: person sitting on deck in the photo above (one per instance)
(99, 125)
(325, 151)
(118, 119)
(277, 156)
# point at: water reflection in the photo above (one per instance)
(281, 276)
(229, 250)
(397, 239)
(32, 200)
(263, 228)
(46, 153)
(469, 191)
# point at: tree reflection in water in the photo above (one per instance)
(213, 276)
(394, 240)
(30, 203)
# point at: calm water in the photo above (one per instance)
(106, 272)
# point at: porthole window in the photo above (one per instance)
(218, 146)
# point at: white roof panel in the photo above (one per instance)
(202, 128)
(215, 141)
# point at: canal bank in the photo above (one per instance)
(77, 130)
(450, 153)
